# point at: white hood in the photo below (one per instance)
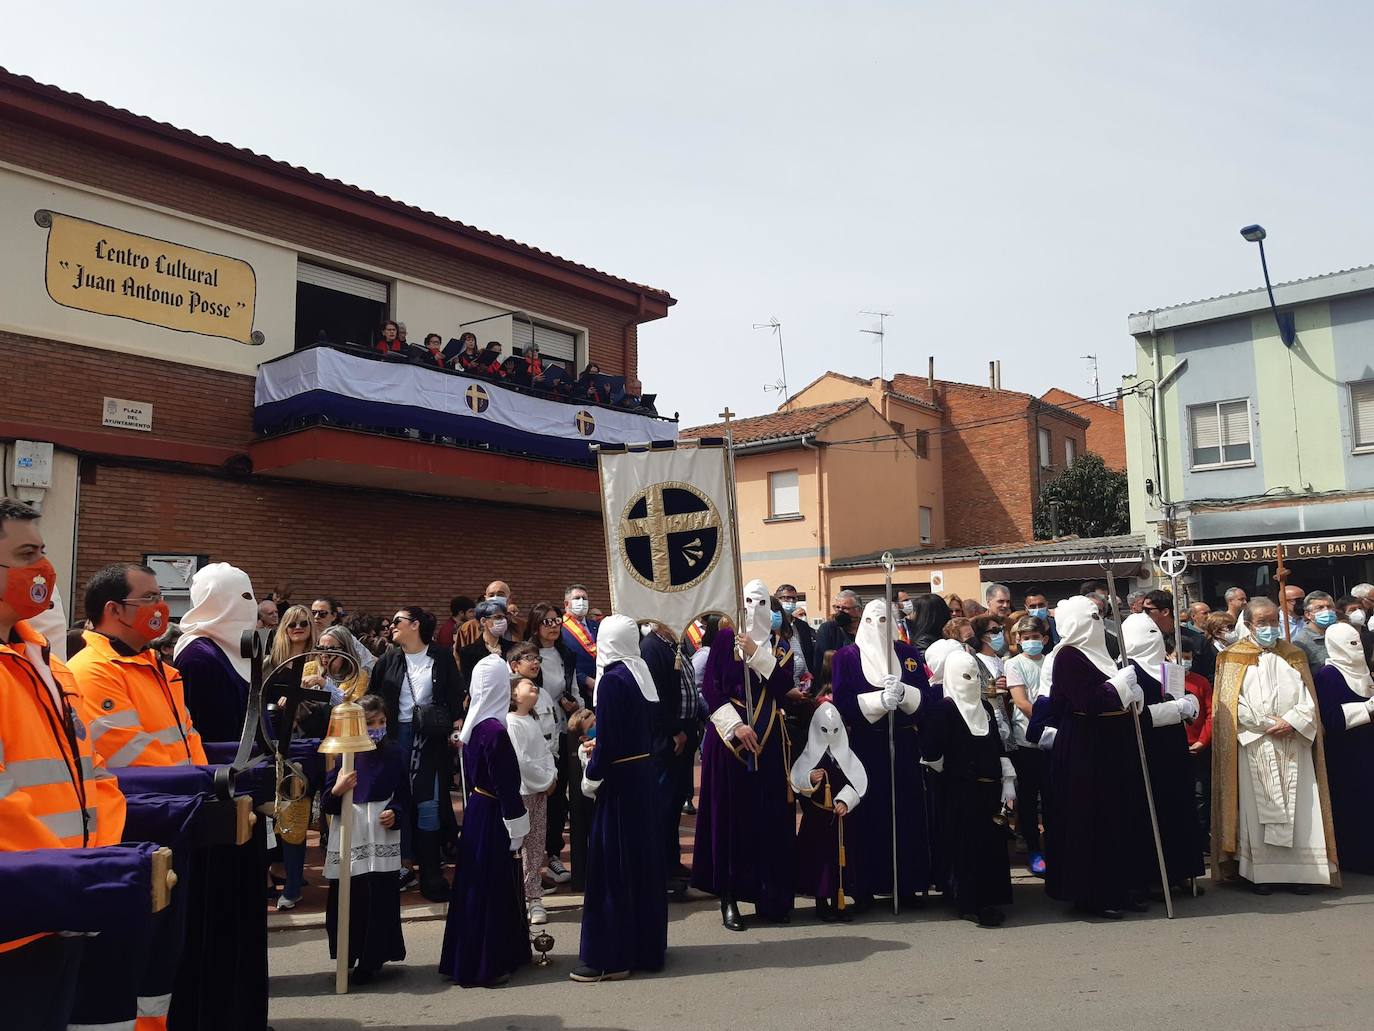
(617, 640)
(1144, 643)
(964, 686)
(827, 734)
(489, 697)
(875, 654)
(937, 655)
(222, 608)
(758, 613)
(1080, 626)
(1344, 651)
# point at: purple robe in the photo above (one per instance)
(746, 820)
(485, 936)
(216, 696)
(1098, 838)
(1349, 770)
(871, 824)
(625, 912)
(1171, 780)
(971, 797)
(818, 838)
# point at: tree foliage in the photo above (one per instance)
(1093, 501)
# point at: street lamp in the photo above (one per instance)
(1256, 234)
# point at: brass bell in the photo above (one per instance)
(347, 731)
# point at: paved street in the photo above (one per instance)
(1229, 960)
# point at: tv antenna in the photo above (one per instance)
(880, 333)
(1097, 386)
(779, 385)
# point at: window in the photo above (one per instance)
(1362, 415)
(338, 307)
(900, 429)
(1045, 461)
(927, 515)
(555, 345)
(922, 443)
(784, 494)
(1221, 434)
(1070, 450)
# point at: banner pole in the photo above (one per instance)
(727, 415)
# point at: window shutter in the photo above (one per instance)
(785, 493)
(1362, 413)
(1045, 460)
(925, 525)
(1235, 422)
(341, 282)
(521, 335)
(555, 343)
(1206, 433)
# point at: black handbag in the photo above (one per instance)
(431, 719)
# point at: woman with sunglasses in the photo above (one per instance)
(418, 680)
(295, 635)
(557, 678)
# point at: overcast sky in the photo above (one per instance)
(1010, 180)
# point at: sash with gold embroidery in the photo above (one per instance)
(580, 634)
(695, 631)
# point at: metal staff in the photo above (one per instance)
(1139, 741)
(750, 760)
(888, 564)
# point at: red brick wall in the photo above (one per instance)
(133, 177)
(372, 550)
(1106, 435)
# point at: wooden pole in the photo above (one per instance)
(345, 879)
(1285, 617)
(750, 760)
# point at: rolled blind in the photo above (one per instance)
(1362, 412)
(1205, 431)
(1235, 422)
(341, 282)
(552, 343)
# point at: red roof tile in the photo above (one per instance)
(776, 425)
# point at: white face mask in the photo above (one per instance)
(578, 607)
(908, 607)
(498, 627)
(1356, 617)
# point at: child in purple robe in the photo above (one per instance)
(830, 780)
(381, 794)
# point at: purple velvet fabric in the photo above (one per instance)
(74, 889)
(625, 915)
(216, 695)
(486, 937)
(818, 839)
(746, 821)
(1171, 780)
(1349, 770)
(870, 828)
(1097, 829)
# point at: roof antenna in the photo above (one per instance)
(880, 333)
(1097, 386)
(779, 385)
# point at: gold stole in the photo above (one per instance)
(580, 634)
(1230, 675)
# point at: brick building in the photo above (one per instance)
(134, 383)
(1106, 428)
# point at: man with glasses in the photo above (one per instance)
(132, 702)
(325, 613)
(1159, 606)
(805, 634)
(839, 630)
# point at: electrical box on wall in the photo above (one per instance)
(32, 466)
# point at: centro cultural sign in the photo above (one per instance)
(108, 271)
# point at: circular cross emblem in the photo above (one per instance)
(911, 665)
(477, 398)
(586, 423)
(670, 536)
(1173, 562)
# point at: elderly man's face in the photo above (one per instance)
(848, 605)
(1292, 597)
(267, 614)
(1237, 603)
(999, 604)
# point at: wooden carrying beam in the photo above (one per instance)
(163, 878)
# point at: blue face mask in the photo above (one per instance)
(1032, 648)
(1187, 664)
(1038, 613)
(1266, 636)
(789, 607)
(1326, 617)
(376, 734)
(777, 621)
(998, 643)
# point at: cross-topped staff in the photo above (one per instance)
(888, 565)
(751, 762)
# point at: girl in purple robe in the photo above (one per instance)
(830, 781)
(485, 937)
(1345, 696)
(746, 820)
(381, 795)
(625, 913)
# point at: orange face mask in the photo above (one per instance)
(150, 621)
(28, 589)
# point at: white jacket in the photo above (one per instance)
(537, 770)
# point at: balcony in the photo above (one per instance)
(352, 419)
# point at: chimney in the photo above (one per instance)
(999, 373)
(930, 372)
(992, 375)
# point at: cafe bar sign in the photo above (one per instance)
(1226, 554)
(108, 271)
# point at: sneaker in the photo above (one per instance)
(1036, 864)
(590, 975)
(408, 879)
(538, 914)
(284, 903)
(558, 873)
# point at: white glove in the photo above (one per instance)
(1370, 706)
(1008, 790)
(893, 691)
(1047, 738)
(938, 765)
(1188, 708)
(515, 844)
(1126, 688)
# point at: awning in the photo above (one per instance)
(1267, 551)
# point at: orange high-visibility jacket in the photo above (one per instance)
(53, 792)
(134, 707)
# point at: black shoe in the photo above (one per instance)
(991, 916)
(1261, 889)
(433, 886)
(846, 915)
(729, 915)
(1300, 889)
(688, 809)
(590, 975)
(1110, 914)
(825, 910)
(784, 918)
(363, 975)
